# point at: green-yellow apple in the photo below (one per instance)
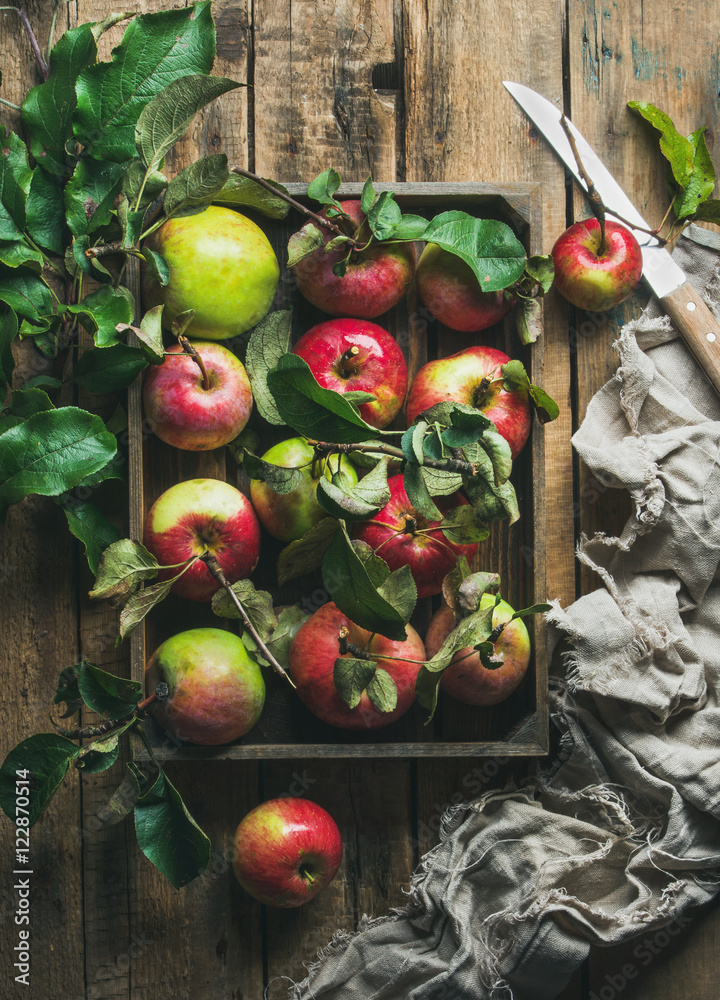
(285, 851)
(216, 688)
(401, 536)
(474, 377)
(467, 679)
(186, 413)
(375, 281)
(592, 276)
(198, 516)
(448, 287)
(222, 266)
(353, 355)
(287, 516)
(313, 653)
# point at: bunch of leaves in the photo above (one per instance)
(166, 832)
(489, 247)
(77, 199)
(691, 174)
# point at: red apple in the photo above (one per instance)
(315, 649)
(285, 851)
(401, 536)
(448, 287)
(350, 355)
(288, 516)
(183, 412)
(594, 277)
(198, 516)
(217, 691)
(466, 678)
(473, 377)
(221, 265)
(375, 281)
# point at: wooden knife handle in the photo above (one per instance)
(698, 327)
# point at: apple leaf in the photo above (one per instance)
(324, 188)
(467, 424)
(141, 603)
(269, 341)
(68, 691)
(155, 50)
(45, 212)
(90, 527)
(529, 319)
(384, 217)
(137, 179)
(15, 254)
(471, 589)
(311, 410)
(258, 605)
(279, 478)
(351, 676)
(418, 493)
(400, 591)
(101, 311)
(123, 799)
(149, 333)
(25, 402)
(110, 696)
(303, 243)
(541, 269)
(441, 483)
(545, 406)
(346, 577)
(355, 503)
(305, 554)
(708, 211)
(124, 565)
(109, 369)
(368, 197)
(98, 756)
(90, 195)
(490, 248)
(412, 442)
(490, 501)
(169, 114)
(382, 691)
(52, 452)
(168, 835)
(468, 632)
(702, 179)
(675, 147)
(462, 526)
(44, 759)
(536, 609)
(288, 622)
(25, 293)
(244, 192)
(48, 108)
(409, 229)
(197, 185)
(427, 688)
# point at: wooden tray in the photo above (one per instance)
(516, 727)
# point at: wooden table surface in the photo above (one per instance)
(406, 90)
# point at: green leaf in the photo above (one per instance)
(351, 676)
(197, 185)
(675, 147)
(498, 450)
(470, 592)
(20, 253)
(109, 369)
(441, 483)
(24, 292)
(15, 180)
(536, 609)
(418, 493)
(467, 425)
(324, 188)
(303, 243)
(48, 108)
(44, 759)
(427, 688)
(150, 335)
(702, 179)
(52, 452)
(311, 410)
(131, 223)
(96, 757)
(269, 341)
(384, 217)
(90, 527)
(468, 632)
(462, 527)
(305, 554)
(141, 603)
(158, 266)
(368, 197)
(25, 402)
(8, 333)
(545, 406)
(412, 442)
(540, 268)
(355, 503)
(110, 696)
(382, 691)
(90, 195)
(410, 228)
(352, 590)
(244, 192)
(529, 319)
(490, 248)
(156, 49)
(168, 835)
(709, 211)
(68, 691)
(45, 212)
(280, 479)
(102, 310)
(490, 500)
(400, 591)
(258, 605)
(169, 114)
(135, 174)
(288, 622)
(124, 565)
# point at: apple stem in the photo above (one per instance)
(189, 349)
(596, 203)
(497, 632)
(306, 875)
(324, 223)
(92, 732)
(345, 646)
(216, 571)
(350, 354)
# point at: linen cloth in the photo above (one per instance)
(621, 832)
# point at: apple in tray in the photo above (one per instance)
(198, 516)
(449, 289)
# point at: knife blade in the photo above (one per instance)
(683, 304)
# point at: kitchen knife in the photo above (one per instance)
(691, 316)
